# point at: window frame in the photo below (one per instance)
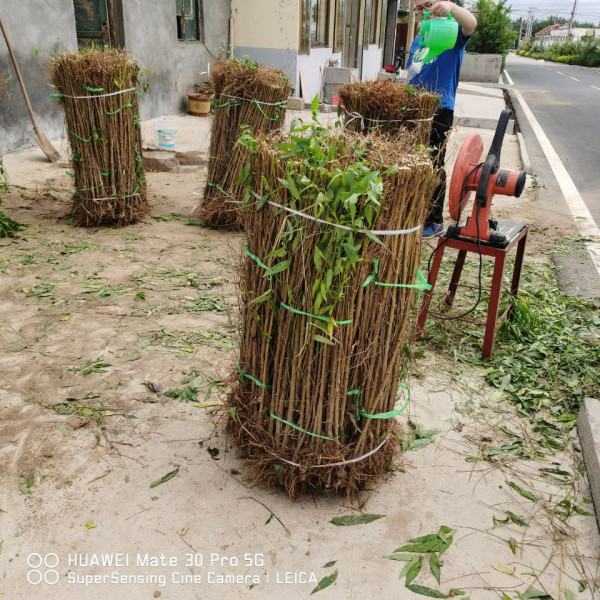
(319, 31)
(189, 15)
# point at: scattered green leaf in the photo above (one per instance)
(165, 478)
(325, 582)
(350, 520)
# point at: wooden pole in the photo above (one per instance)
(410, 34)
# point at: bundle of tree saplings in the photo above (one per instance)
(98, 90)
(246, 94)
(388, 106)
(332, 241)
(8, 227)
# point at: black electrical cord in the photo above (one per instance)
(480, 287)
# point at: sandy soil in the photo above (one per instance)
(156, 304)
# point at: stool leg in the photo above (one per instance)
(516, 278)
(492, 317)
(456, 273)
(437, 261)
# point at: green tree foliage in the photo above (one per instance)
(494, 33)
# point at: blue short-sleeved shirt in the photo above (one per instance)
(441, 74)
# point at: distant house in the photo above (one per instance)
(558, 34)
(543, 36)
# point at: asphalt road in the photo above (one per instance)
(565, 100)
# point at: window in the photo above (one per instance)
(189, 20)
(319, 22)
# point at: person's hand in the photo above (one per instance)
(441, 9)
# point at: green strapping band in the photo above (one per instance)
(91, 89)
(323, 437)
(275, 118)
(134, 193)
(420, 285)
(114, 112)
(78, 136)
(91, 189)
(255, 258)
(327, 319)
(217, 186)
(225, 104)
(244, 375)
(392, 413)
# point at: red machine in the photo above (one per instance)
(487, 179)
(481, 235)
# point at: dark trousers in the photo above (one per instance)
(442, 123)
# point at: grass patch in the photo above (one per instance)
(545, 359)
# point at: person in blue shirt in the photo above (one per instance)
(441, 77)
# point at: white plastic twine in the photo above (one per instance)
(341, 463)
(356, 115)
(345, 227)
(99, 95)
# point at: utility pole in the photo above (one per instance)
(529, 30)
(521, 32)
(571, 20)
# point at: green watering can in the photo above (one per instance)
(437, 35)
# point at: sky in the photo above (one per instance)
(587, 10)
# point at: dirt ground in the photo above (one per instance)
(98, 324)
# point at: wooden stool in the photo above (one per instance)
(516, 235)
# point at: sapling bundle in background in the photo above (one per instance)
(98, 90)
(388, 106)
(8, 227)
(246, 94)
(324, 310)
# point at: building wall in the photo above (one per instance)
(313, 67)
(267, 31)
(36, 29)
(265, 23)
(371, 65)
(151, 38)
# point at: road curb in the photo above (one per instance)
(588, 429)
(512, 102)
(525, 161)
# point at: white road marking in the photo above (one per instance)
(585, 222)
(596, 88)
(560, 73)
(574, 79)
(508, 78)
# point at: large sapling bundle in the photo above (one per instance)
(325, 304)
(246, 95)
(388, 106)
(98, 91)
(8, 227)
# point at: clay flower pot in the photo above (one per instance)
(198, 104)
